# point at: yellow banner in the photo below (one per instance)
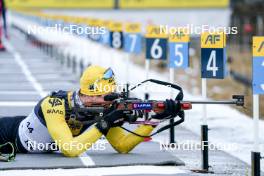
(95, 22)
(217, 40)
(133, 28)
(258, 46)
(83, 20)
(126, 4)
(173, 4)
(106, 23)
(78, 20)
(155, 32)
(116, 26)
(60, 4)
(179, 36)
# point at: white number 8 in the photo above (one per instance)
(116, 40)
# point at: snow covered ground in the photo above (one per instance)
(122, 170)
(228, 126)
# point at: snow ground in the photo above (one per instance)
(228, 126)
(122, 170)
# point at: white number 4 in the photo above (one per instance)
(211, 65)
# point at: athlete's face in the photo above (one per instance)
(97, 100)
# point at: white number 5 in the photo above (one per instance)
(178, 53)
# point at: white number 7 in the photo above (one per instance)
(133, 41)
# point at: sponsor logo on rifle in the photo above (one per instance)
(143, 106)
(54, 111)
(55, 102)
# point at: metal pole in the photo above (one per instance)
(116, 4)
(56, 53)
(172, 132)
(68, 60)
(52, 51)
(260, 24)
(255, 154)
(147, 65)
(255, 163)
(81, 68)
(127, 74)
(74, 64)
(204, 131)
(62, 58)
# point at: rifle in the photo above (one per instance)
(121, 101)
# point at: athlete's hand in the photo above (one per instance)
(113, 119)
(172, 108)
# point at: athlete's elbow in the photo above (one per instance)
(122, 149)
(71, 153)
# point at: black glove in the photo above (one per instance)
(113, 119)
(172, 108)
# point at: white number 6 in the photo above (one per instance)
(156, 50)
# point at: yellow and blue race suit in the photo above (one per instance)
(50, 121)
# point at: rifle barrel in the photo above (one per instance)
(210, 102)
